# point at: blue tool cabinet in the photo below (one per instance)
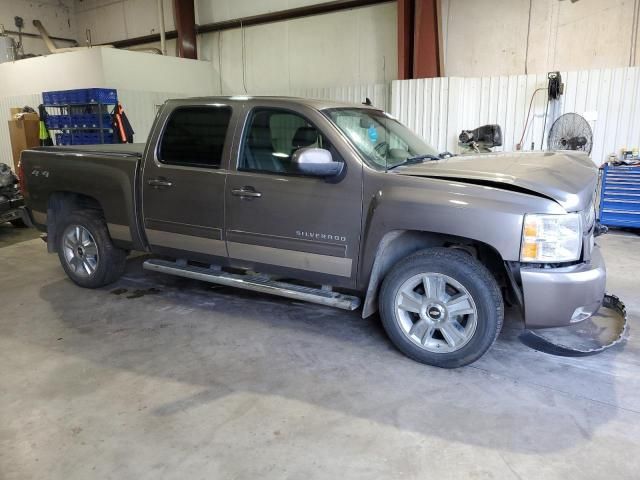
(620, 196)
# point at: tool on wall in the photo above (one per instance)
(554, 89)
(19, 23)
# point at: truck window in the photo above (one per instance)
(273, 136)
(194, 136)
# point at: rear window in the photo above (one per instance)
(194, 136)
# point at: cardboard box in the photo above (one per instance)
(24, 134)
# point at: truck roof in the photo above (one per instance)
(318, 104)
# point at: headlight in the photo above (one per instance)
(551, 238)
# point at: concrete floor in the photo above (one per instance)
(157, 377)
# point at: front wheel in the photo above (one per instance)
(441, 307)
(86, 251)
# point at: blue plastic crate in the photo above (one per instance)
(76, 120)
(57, 121)
(52, 121)
(77, 96)
(63, 139)
(93, 119)
(58, 98)
(107, 96)
(47, 98)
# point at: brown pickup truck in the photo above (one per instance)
(343, 202)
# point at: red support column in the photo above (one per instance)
(185, 16)
(406, 21)
(418, 39)
(426, 46)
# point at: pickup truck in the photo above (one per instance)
(332, 203)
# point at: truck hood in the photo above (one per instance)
(569, 178)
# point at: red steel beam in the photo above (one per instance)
(418, 39)
(406, 22)
(185, 16)
(426, 46)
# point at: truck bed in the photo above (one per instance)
(104, 174)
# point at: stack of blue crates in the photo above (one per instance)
(79, 114)
(83, 96)
(620, 196)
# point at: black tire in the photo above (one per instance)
(111, 259)
(473, 276)
(18, 223)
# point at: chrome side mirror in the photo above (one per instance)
(317, 162)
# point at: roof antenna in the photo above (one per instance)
(367, 102)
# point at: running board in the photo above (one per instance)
(256, 283)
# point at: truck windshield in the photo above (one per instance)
(382, 141)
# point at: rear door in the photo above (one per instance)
(278, 219)
(183, 180)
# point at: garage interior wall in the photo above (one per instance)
(512, 37)
(350, 47)
(58, 17)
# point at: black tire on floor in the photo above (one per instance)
(18, 223)
(111, 259)
(473, 276)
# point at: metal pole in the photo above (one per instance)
(163, 40)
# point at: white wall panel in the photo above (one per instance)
(141, 108)
(610, 98)
(512, 37)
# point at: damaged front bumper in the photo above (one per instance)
(557, 297)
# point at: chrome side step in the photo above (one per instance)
(257, 283)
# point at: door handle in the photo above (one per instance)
(247, 192)
(159, 182)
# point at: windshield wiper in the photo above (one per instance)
(416, 159)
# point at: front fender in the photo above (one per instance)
(395, 203)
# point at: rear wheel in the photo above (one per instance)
(86, 251)
(441, 307)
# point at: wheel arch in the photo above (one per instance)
(398, 244)
(61, 204)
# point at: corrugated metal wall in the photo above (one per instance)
(439, 108)
(378, 94)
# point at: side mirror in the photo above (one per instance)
(317, 162)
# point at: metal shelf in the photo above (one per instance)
(79, 128)
(60, 105)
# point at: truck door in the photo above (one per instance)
(183, 180)
(281, 221)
